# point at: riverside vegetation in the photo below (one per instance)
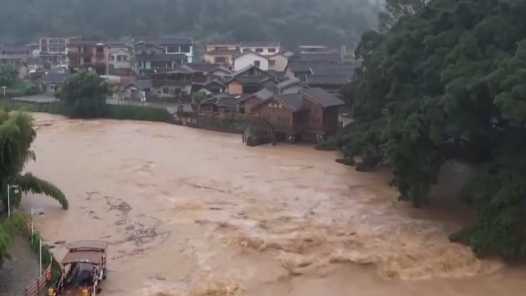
(14, 86)
(17, 133)
(449, 83)
(84, 95)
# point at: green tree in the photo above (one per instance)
(16, 135)
(448, 83)
(84, 95)
(8, 75)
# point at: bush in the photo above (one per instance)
(27, 88)
(143, 113)
(47, 256)
(20, 106)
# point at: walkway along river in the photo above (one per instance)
(188, 210)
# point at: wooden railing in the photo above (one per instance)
(35, 288)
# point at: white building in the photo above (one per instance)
(173, 45)
(263, 48)
(249, 58)
(120, 58)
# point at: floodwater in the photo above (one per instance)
(192, 212)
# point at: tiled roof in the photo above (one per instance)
(332, 70)
(322, 97)
(294, 101)
(259, 44)
(222, 100)
(159, 57)
(327, 79)
(288, 82)
(332, 57)
(202, 67)
(305, 66)
(140, 84)
(263, 94)
(54, 78)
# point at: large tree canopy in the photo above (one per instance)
(293, 22)
(16, 136)
(449, 83)
(84, 95)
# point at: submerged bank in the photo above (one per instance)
(185, 208)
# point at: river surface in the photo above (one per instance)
(192, 212)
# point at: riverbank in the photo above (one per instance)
(22, 269)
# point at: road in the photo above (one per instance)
(170, 106)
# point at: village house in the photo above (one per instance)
(176, 84)
(263, 48)
(249, 80)
(172, 45)
(298, 69)
(54, 50)
(221, 53)
(131, 90)
(246, 104)
(152, 58)
(212, 70)
(220, 103)
(249, 58)
(17, 56)
(52, 82)
(209, 88)
(290, 86)
(310, 114)
(91, 55)
(278, 62)
(121, 56)
(331, 83)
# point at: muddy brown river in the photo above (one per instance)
(192, 212)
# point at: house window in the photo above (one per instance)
(100, 49)
(257, 63)
(271, 62)
(220, 60)
(271, 50)
(166, 90)
(246, 49)
(172, 49)
(112, 58)
(186, 49)
(259, 49)
(87, 60)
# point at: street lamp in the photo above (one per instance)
(15, 190)
(41, 213)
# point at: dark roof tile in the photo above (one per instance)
(322, 97)
(54, 78)
(294, 101)
(327, 79)
(160, 57)
(140, 84)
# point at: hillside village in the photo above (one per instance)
(295, 90)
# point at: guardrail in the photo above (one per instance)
(36, 287)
